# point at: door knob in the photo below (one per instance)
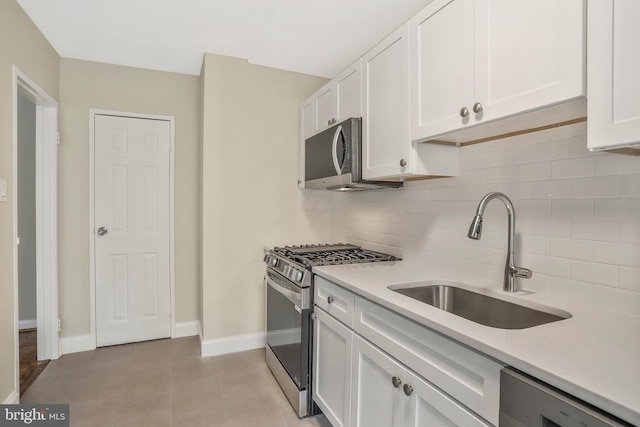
(330, 299)
(102, 231)
(477, 107)
(403, 163)
(464, 112)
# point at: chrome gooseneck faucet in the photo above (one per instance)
(475, 232)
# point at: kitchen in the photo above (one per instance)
(577, 211)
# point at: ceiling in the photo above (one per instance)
(318, 37)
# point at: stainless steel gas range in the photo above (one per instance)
(289, 284)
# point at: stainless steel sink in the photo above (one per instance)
(479, 307)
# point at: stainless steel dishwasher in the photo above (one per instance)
(527, 402)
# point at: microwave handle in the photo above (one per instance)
(334, 147)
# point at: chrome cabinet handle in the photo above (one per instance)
(407, 389)
(403, 163)
(102, 231)
(477, 107)
(330, 299)
(464, 112)
(396, 382)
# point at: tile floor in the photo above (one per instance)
(166, 383)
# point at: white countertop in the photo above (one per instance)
(594, 355)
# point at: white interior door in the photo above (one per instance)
(132, 226)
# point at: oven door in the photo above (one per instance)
(288, 329)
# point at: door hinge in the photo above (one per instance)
(58, 137)
(59, 325)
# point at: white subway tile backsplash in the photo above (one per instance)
(533, 171)
(617, 209)
(629, 278)
(630, 185)
(537, 283)
(517, 190)
(550, 266)
(630, 231)
(578, 217)
(501, 174)
(571, 249)
(532, 244)
(615, 164)
(588, 229)
(556, 189)
(572, 289)
(572, 208)
(572, 167)
(601, 186)
(617, 253)
(552, 227)
(603, 274)
(617, 299)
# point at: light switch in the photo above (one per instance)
(3, 190)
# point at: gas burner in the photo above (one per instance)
(331, 254)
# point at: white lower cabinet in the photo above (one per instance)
(386, 393)
(381, 369)
(332, 368)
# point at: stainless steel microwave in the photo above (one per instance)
(332, 159)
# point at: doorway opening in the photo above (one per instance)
(35, 262)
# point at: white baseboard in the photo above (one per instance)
(12, 399)
(77, 344)
(27, 324)
(187, 329)
(232, 344)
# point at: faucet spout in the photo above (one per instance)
(475, 232)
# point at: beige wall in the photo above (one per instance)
(85, 85)
(22, 44)
(250, 197)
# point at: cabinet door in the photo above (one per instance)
(325, 106)
(332, 368)
(442, 63)
(385, 108)
(377, 399)
(349, 92)
(614, 67)
(429, 407)
(529, 54)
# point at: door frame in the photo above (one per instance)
(47, 141)
(92, 235)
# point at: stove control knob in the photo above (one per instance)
(298, 276)
(286, 270)
(273, 262)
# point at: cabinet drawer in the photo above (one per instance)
(335, 300)
(472, 378)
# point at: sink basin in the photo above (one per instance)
(479, 307)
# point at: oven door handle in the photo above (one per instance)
(294, 297)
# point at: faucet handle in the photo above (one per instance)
(524, 273)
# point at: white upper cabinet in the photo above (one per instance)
(387, 149)
(476, 61)
(386, 143)
(614, 67)
(339, 99)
